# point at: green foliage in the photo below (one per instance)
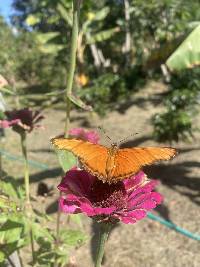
(187, 55)
(15, 225)
(171, 126)
(176, 123)
(48, 251)
(103, 91)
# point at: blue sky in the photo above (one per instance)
(5, 8)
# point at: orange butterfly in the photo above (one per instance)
(113, 164)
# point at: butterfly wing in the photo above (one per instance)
(92, 156)
(129, 161)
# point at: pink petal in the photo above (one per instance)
(68, 207)
(87, 135)
(146, 201)
(134, 181)
(76, 181)
(148, 187)
(137, 214)
(93, 211)
(131, 217)
(128, 220)
(7, 123)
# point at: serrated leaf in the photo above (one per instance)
(66, 159)
(77, 101)
(187, 55)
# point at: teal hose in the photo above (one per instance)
(173, 226)
(32, 163)
(150, 215)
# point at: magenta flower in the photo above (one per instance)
(87, 135)
(27, 119)
(127, 201)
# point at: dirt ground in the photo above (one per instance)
(147, 243)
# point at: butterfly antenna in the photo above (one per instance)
(104, 132)
(124, 139)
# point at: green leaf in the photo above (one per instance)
(72, 237)
(187, 55)
(76, 218)
(7, 205)
(7, 91)
(100, 15)
(11, 232)
(77, 101)
(51, 48)
(101, 36)
(2, 256)
(66, 159)
(44, 38)
(65, 14)
(39, 231)
(10, 187)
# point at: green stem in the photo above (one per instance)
(58, 222)
(70, 79)
(27, 187)
(72, 63)
(26, 167)
(103, 236)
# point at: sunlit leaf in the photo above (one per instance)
(65, 14)
(66, 159)
(51, 48)
(101, 36)
(187, 55)
(99, 15)
(44, 38)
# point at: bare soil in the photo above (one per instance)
(147, 243)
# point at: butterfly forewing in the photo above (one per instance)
(92, 156)
(129, 161)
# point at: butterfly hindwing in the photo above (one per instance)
(129, 161)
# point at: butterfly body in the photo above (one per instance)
(113, 164)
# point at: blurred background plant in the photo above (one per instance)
(121, 47)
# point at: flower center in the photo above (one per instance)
(106, 195)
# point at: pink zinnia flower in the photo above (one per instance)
(127, 201)
(27, 119)
(86, 135)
